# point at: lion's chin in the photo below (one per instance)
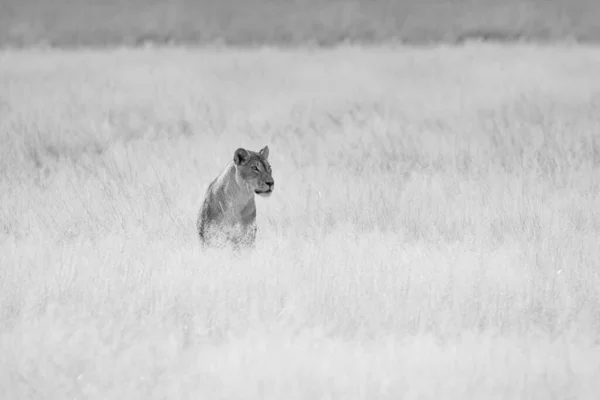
(264, 194)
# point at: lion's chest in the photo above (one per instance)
(230, 221)
(239, 224)
(239, 215)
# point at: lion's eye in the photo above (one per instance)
(255, 168)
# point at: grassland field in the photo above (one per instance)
(434, 230)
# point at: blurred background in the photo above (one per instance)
(67, 23)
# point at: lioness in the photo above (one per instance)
(228, 212)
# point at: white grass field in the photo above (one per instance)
(434, 231)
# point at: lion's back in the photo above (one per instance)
(205, 215)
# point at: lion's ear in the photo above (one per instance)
(240, 156)
(264, 152)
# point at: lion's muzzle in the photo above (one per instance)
(270, 186)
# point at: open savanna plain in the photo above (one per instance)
(434, 230)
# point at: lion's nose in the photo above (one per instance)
(270, 182)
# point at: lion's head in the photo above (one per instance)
(253, 170)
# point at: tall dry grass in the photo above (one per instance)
(434, 231)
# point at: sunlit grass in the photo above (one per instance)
(434, 230)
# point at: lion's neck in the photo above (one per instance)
(239, 199)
